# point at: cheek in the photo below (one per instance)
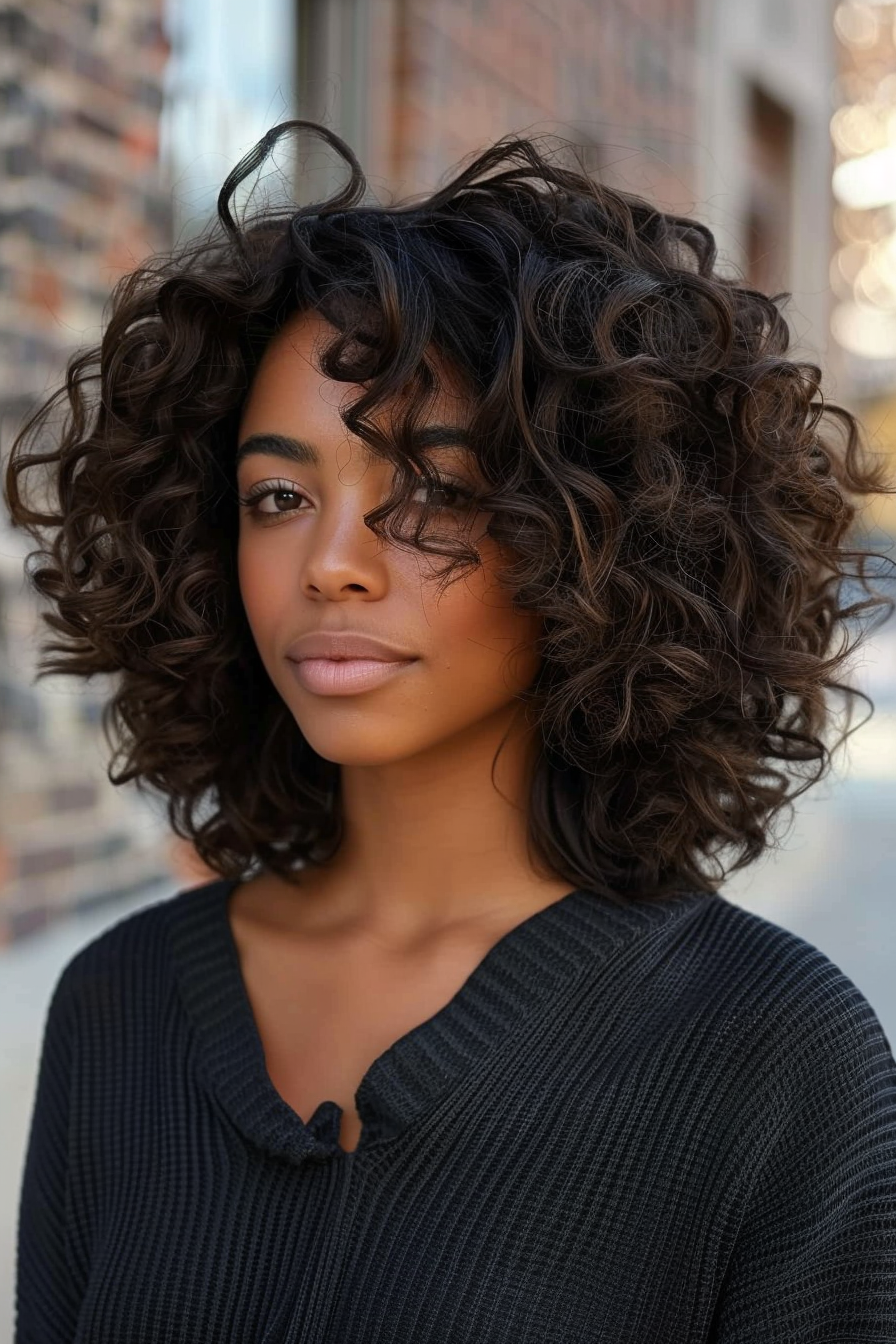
(484, 647)
(260, 585)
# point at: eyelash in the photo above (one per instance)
(253, 497)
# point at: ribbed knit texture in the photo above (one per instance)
(649, 1123)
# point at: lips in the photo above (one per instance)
(343, 662)
(346, 676)
(344, 645)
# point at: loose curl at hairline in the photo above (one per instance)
(657, 475)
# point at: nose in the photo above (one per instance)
(342, 554)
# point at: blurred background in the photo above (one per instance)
(773, 122)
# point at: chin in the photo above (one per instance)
(352, 745)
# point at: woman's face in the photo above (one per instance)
(308, 563)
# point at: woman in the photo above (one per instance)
(463, 1042)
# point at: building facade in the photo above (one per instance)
(417, 85)
(708, 107)
(82, 201)
(863, 267)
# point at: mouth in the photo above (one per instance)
(345, 676)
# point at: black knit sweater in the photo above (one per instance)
(652, 1123)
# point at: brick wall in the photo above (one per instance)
(618, 79)
(82, 200)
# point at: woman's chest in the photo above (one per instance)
(485, 1226)
(531, 1198)
(323, 1016)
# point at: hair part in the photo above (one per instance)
(661, 475)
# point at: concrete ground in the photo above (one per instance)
(833, 883)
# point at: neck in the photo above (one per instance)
(434, 839)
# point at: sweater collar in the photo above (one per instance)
(517, 981)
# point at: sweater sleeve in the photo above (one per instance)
(47, 1299)
(815, 1255)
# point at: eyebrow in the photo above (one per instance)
(306, 455)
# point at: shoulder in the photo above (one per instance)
(134, 949)
(781, 999)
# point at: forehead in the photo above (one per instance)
(289, 380)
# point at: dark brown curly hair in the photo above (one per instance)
(657, 472)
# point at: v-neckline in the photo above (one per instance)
(509, 987)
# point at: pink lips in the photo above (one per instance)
(345, 676)
(343, 662)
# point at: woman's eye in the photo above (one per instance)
(446, 495)
(285, 498)
(276, 491)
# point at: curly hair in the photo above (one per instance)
(657, 474)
